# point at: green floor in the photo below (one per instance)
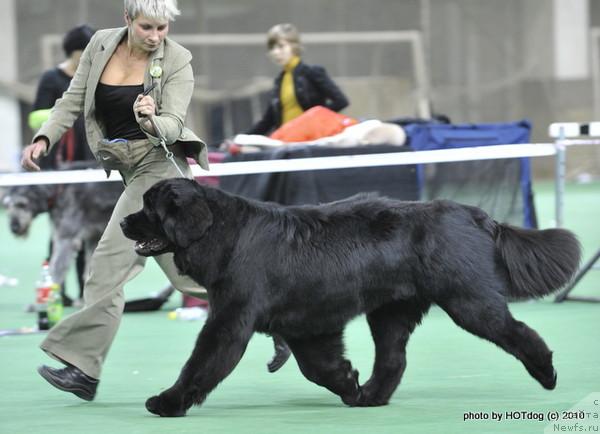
(449, 372)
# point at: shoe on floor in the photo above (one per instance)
(66, 300)
(70, 379)
(282, 354)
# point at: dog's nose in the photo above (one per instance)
(15, 227)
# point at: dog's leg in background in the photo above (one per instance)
(67, 240)
(321, 360)
(219, 348)
(63, 252)
(486, 315)
(89, 245)
(391, 326)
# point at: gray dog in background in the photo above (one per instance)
(78, 213)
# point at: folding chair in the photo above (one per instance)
(564, 295)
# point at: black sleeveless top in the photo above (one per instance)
(114, 104)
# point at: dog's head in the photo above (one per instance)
(24, 203)
(175, 215)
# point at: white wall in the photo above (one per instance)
(571, 43)
(10, 122)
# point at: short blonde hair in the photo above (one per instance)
(284, 32)
(156, 9)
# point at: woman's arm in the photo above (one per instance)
(176, 94)
(265, 124)
(333, 96)
(33, 152)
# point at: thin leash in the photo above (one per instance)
(161, 138)
(163, 143)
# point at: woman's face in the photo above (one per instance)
(147, 33)
(281, 53)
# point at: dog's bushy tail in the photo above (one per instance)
(539, 262)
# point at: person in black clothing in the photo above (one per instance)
(73, 144)
(299, 86)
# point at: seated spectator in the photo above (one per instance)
(299, 86)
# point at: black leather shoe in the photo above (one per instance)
(70, 379)
(282, 354)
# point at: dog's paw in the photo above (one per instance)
(370, 396)
(351, 397)
(153, 405)
(165, 406)
(368, 399)
(549, 382)
(545, 375)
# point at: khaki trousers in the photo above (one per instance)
(84, 338)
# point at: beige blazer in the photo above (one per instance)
(175, 85)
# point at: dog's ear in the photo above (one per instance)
(188, 216)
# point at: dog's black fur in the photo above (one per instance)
(303, 272)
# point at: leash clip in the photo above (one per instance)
(168, 154)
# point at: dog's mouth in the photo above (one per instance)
(151, 247)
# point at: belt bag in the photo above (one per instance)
(121, 154)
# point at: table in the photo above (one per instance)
(319, 186)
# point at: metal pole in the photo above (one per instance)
(561, 157)
(595, 47)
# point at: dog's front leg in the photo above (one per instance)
(219, 348)
(63, 253)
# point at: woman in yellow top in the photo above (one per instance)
(299, 86)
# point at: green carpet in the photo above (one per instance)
(449, 373)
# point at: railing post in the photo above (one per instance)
(560, 172)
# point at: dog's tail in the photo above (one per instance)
(539, 262)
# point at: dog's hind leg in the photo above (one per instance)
(219, 347)
(321, 360)
(489, 318)
(81, 267)
(391, 326)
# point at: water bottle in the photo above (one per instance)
(188, 313)
(54, 305)
(42, 293)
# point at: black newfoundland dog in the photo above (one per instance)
(303, 272)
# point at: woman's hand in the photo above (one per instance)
(144, 108)
(33, 152)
